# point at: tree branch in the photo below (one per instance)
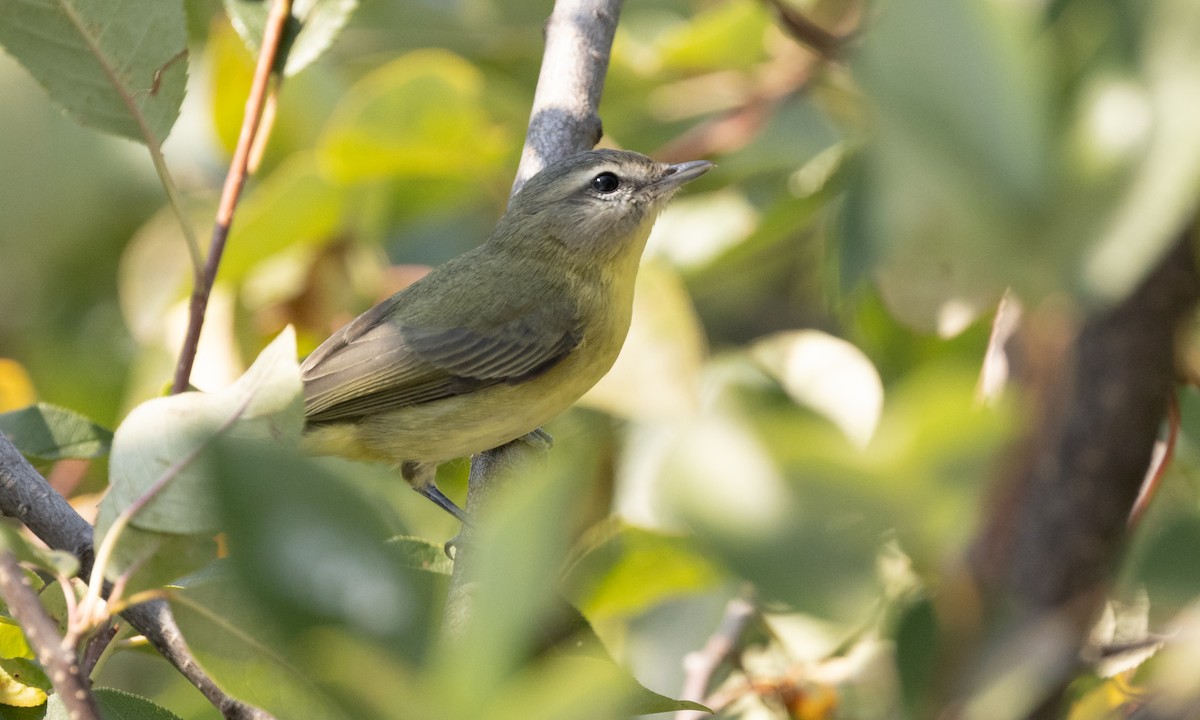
(25, 495)
(563, 121)
(1058, 521)
(725, 643)
(235, 180)
(59, 661)
(565, 117)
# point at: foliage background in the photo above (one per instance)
(796, 410)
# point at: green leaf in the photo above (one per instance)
(1160, 193)
(114, 705)
(294, 205)
(12, 641)
(580, 687)
(421, 115)
(310, 31)
(58, 562)
(311, 551)
(628, 570)
(116, 65)
(172, 434)
(1168, 564)
(243, 649)
(157, 558)
(916, 653)
(724, 37)
(961, 158)
(50, 432)
(23, 683)
(120, 705)
(155, 272)
(420, 554)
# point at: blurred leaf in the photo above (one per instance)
(155, 269)
(1112, 698)
(726, 35)
(631, 569)
(420, 554)
(420, 115)
(828, 375)
(12, 641)
(26, 552)
(657, 374)
(309, 32)
(120, 67)
(960, 81)
(310, 550)
(233, 640)
(960, 160)
(16, 387)
(50, 432)
(696, 229)
(1168, 563)
(581, 688)
(155, 558)
(23, 683)
(293, 206)
(1158, 124)
(232, 73)
(171, 435)
(520, 545)
(792, 541)
(916, 654)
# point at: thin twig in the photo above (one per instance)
(58, 658)
(1163, 455)
(235, 180)
(701, 666)
(827, 44)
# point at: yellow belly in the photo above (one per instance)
(464, 425)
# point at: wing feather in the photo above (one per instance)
(377, 363)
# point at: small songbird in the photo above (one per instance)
(494, 343)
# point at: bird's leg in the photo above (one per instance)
(422, 476)
(538, 439)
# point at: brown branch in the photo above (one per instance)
(1164, 453)
(827, 44)
(702, 665)
(59, 660)
(563, 121)
(235, 180)
(25, 495)
(1058, 522)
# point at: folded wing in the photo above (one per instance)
(377, 363)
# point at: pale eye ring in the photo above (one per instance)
(606, 182)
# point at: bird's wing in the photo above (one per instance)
(377, 363)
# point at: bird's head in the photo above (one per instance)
(599, 203)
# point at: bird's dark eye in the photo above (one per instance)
(606, 182)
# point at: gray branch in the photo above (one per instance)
(60, 662)
(26, 496)
(564, 121)
(565, 118)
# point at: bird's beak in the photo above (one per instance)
(681, 173)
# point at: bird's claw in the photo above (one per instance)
(539, 439)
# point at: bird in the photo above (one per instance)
(491, 345)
